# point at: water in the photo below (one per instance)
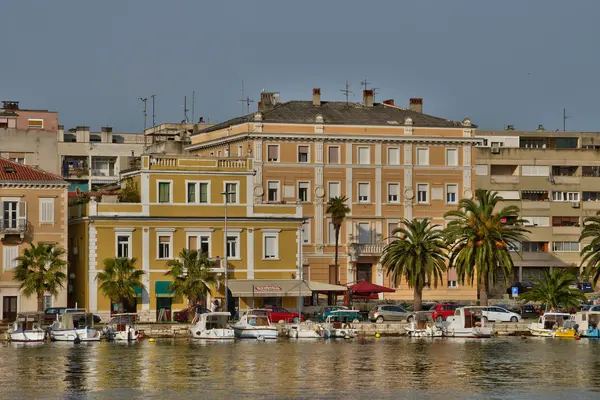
(391, 368)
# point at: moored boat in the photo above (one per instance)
(212, 326)
(305, 330)
(587, 323)
(75, 325)
(422, 325)
(122, 327)
(339, 324)
(27, 328)
(255, 324)
(467, 322)
(548, 324)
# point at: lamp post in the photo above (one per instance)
(226, 194)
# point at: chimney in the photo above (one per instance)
(368, 98)
(82, 133)
(389, 102)
(509, 128)
(416, 104)
(540, 128)
(107, 129)
(106, 134)
(268, 100)
(316, 97)
(10, 105)
(61, 133)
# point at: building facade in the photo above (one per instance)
(182, 205)
(554, 178)
(34, 210)
(390, 162)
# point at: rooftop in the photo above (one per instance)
(14, 172)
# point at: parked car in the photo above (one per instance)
(529, 311)
(277, 314)
(585, 287)
(50, 314)
(384, 312)
(523, 287)
(516, 308)
(325, 311)
(440, 312)
(346, 316)
(499, 314)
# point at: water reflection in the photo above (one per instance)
(369, 368)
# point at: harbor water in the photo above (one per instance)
(387, 368)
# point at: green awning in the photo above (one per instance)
(138, 291)
(161, 289)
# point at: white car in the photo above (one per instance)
(499, 314)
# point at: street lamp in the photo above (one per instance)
(226, 194)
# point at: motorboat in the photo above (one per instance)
(587, 323)
(122, 327)
(212, 326)
(27, 328)
(423, 325)
(467, 322)
(255, 324)
(75, 325)
(548, 324)
(305, 330)
(339, 324)
(567, 331)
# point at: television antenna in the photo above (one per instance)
(347, 91)
(144, 100)
(365, 84)
(153, 113)
(565, 118)
(246, 100)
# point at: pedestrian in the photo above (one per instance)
(215, 306)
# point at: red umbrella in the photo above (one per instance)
(367, 289)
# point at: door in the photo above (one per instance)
(10, 214)
(364, 272)
(9, 308)
(163, 303)
(364, 233)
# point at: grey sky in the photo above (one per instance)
(502, 62)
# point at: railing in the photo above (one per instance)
(79, 172)
(232, 163)
(103, 172)
(13, 225)
(370, 248)
(163, 161)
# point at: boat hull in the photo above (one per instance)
(474, 333)
(342, 333)
(255, 333)
(29, 336)
(591, 333)
(69, 335)
(424, 332)
(213, 334)
(296, 333)
(128, 335)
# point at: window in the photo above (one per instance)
(511, 194)
(204, 245)
(331, 233)
(303, 154)
(240, 151)
(536, 221)
(197, 192)
(422, 156)
(561, 247)
(561, 170)
(452, 284)
(363, 192)
(364, 155)
(535, 170)
(164, 192)
(46, 211)
(164, 247)
(393, 156)
(452, 193)
(334, 189)
(273, 153)
(565, 221)
(273, 190)
(565, 196)
(34, 123)
(231, 190)
(364, 232)
(393, 193)
(18, 160)
(233, 246)
(591, 196)
(303, 190)
(535, 247)
(306, 232)
(422, 193)
(288, 191)
(590, 171)
(334, 155)
(534, 195)
(9, 256)
(123, 246)
(219, 153)
(452, 157)
(270, 246)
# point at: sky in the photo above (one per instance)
(502, 62)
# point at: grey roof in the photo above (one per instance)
(340, 113)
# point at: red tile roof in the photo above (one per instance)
(12, 171)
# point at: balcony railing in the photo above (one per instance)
(370, 249)
(18, 226)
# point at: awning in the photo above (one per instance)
(138, 291)
(268, 288)
(321, 287)
(161, 289)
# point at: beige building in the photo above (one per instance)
(554, 178)
(34, 209)
(390, 162)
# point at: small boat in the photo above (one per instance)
(339, 324)
(568, 331)
(27, 328)
(305, 330)
(75, 325)
(467, 322)
(587, 323)
(422, 325)
(212, 326)
(255, 324)
(121, 327)
(548, 323)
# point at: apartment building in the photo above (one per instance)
(34, 209)
(554, 178)
(390, 162)
(183, 205)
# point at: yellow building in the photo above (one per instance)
(34, 209)
(182, 205)
(390, 162)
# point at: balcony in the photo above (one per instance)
(504, 179)
(199, 163)
(19, 226)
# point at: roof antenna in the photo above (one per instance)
(153, 113)
(144, 100)
(193, 104)
(365, 84)
(347, 91)
(185, 110)
(565, 118)
(246, 100)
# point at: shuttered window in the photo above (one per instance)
(363, 192)
(334, 155)
(452, 157)
(272, 152)
(10, 253)
(452, 194)
(393, 193)
(164, 247)
(422, 156)
(270, 247)
(364, 156)
(164, 192)
(47, 211)
(393, 156)
(334, 189)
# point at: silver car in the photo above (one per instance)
(384, 312)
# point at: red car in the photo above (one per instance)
(440, 312)
(277, 314)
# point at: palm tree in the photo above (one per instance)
(120, 279)
(192, 275)
(555, 290)
(41, 270)
(417, 254)
(591, 252)
(480, 239)
(336, 206)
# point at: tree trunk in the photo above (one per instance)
(337, 240)
(483, 289)
(418, 301)
(121, 307)
(40, 302)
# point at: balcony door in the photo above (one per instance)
(9, 308)
(10, 215)
(364, 272)
(364, 232)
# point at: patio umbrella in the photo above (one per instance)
(368, 291)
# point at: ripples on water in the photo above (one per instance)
(510, 368)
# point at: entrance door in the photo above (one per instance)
(10, 214)
(364, 272)
(163, 303)
(9, 308)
